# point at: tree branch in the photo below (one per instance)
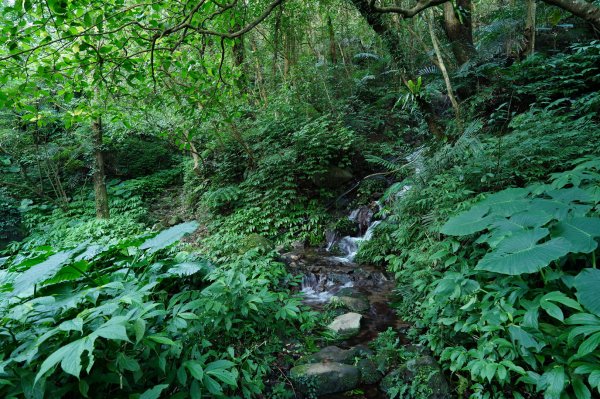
(587, 11)
(407, 12)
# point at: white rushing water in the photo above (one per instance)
(320, 288)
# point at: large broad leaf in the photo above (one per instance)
(469, 222)
(572, 194)
(504, 203)
(507, 202)
(524, 339)
(154, 393)
(553, 382)
(69, 357)
(24, 282)
(169, 236)
(516, 223)
(556, 208)
(531, 218)
(587, 284)
(580, 232)
(520, 253)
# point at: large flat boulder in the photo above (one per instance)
(324, 378)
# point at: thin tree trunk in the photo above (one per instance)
(195, 155)
(332, 46)
(102, 210)
(530, 28)
(239, 58)
(442, 67)
(459, 29)
(276, 39)
(259, 80)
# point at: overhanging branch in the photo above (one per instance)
(420, 6)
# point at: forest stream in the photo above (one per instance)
(331, 278)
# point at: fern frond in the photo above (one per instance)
(384, 163)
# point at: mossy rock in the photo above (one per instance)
(355, 304)
(333, 177)
(330, 354)
(368, 372)
(346, 325)
(345, 227)
(348, 291)
(333, 354)
(424, 376)
(318, 379)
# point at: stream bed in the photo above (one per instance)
(331, 272)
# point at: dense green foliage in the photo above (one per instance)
(158, 159)
(508, 302)
(107, 315)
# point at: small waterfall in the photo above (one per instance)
(349, 245)
(321, 286)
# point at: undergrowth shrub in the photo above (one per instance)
(138, 318)
(535, 328)
(292, 170)
(504, 333)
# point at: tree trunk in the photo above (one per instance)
(442, 67)
(580, 8)
(459, 29)
(375, 20)
(530, 28)
(276, 40)
(390, 40)
(332, 46)
(258, 76)
(102, 211)
(239, 58)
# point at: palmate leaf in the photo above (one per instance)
(69, 357)
(580, 233)
(587, 284)
(189, 268)
(520, 253)
(169, 236)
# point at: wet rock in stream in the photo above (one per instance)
(360, 296)
(357, 303)
(333, 370)
(346, 325)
